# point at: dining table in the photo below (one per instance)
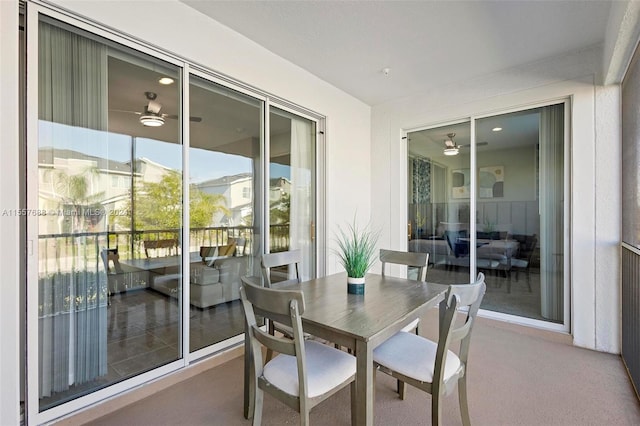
(358, 322)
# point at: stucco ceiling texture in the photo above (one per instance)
(425, 44)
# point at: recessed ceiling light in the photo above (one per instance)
(166, 80)
(497, 129)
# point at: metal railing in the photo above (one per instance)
(67, 252)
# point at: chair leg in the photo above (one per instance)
(257, 406)
(529, 281)
(402, 389)
(462, 396)
(435, 409)
(304, 418)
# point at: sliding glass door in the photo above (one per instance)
(508, 214)
(439, 194)
(142, 219)
(225, 182)
(101, 214)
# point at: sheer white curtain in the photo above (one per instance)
(552, 211)
(72, 331)
(302, 201)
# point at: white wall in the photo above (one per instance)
(595, 184)
(9, 226)
(214, 46)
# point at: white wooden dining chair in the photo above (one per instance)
(433, 367)
(305, 372)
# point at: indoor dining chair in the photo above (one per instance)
(522, 262)
(305, 372)
(433, 367)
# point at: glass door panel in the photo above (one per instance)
(439, 191)
(109, 202)
(225, 199)
(520, 212)
(292, 188)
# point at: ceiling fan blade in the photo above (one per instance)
(478, 144)
(175, 117)
(124, 110)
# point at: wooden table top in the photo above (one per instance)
(386, 301)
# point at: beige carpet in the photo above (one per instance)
(517, 376)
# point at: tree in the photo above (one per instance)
(158, 205)
(280, 210)
(80, 206)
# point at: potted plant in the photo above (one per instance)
(357, 253)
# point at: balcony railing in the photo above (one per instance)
(66, 252)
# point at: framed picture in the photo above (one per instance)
(491, 182)
(460, 183)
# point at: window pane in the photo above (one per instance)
(520, 212)
(439, 200)
(224, 158)
(292, 189)
(110, 195)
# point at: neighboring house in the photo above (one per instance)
(237, 191)
(108, 185)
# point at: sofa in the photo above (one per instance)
(450, 247)
(211, 283)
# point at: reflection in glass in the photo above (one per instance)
(292, 188)
(439, 186)
(103, 178)
(224, 160)
(520, 211)
(519, 208)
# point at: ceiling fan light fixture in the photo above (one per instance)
(451, 151)
(151, 120)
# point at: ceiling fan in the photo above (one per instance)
(151, 115)
(451, 148)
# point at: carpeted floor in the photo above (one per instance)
(517, 376)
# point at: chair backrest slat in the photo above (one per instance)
(407, 258)
(282, 345)
(272, 303)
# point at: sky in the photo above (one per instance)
(204, 164)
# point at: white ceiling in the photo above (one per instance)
(425, 44)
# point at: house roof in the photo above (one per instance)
(46, 156)
(225, 180)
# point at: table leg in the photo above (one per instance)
(364, 384)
